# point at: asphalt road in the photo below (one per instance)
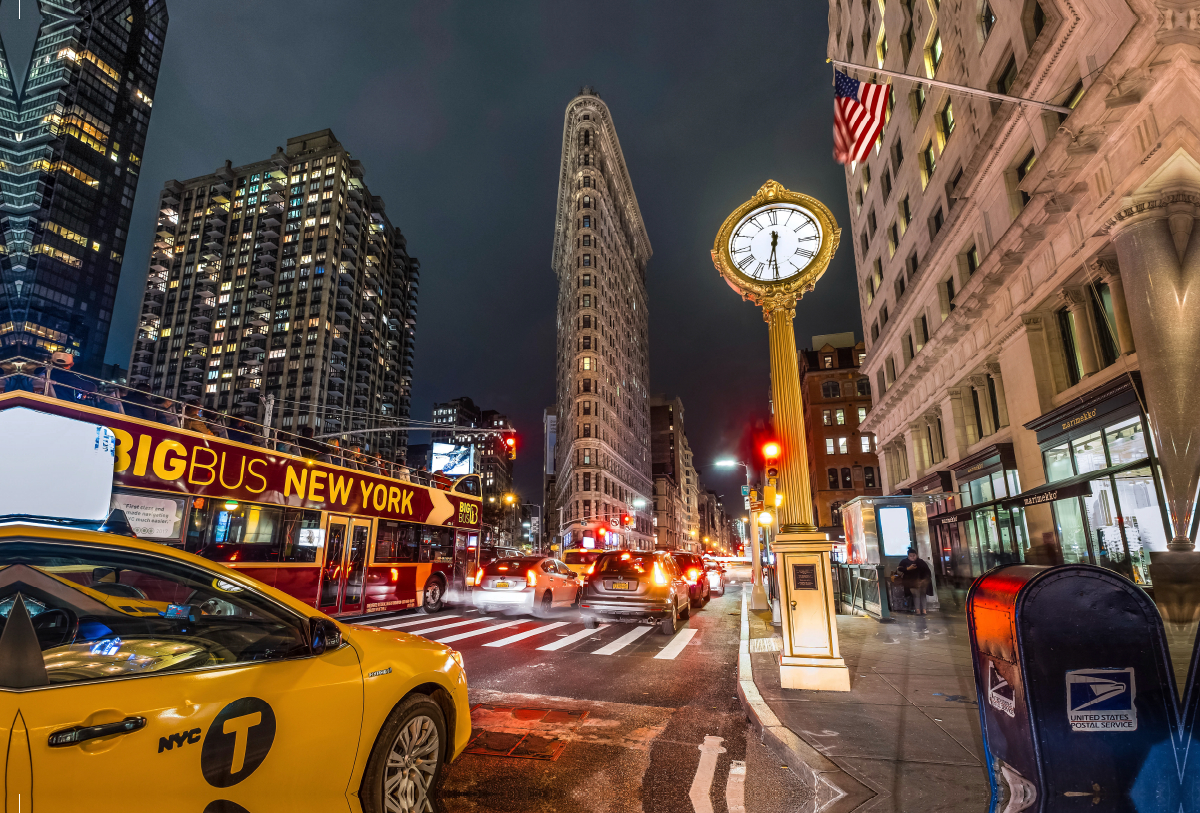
(606, 720)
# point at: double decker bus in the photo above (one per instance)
(349, 537)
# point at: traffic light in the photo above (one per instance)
(626, 520)
(770, 452)
(511, 442)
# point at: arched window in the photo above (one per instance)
(587, 181)
(830, 389)
(587, 138)
(587, 222)
(587, 202)
(864, 386)
(835, 512)
(869, 476)
(846, 481)
(833, 478)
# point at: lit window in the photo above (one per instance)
(866, 443)
(841, 417)
(862, 414)
(828, 445)
(843, 446)
(827, 416)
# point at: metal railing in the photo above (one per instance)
(22, 375)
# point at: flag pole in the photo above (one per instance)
(951, 86)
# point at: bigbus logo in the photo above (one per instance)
(468, 513)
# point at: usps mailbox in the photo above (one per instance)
(1076, 693)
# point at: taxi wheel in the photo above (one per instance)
(686, 612)
(435, 596)
(543, 608)
(405, 766)
(590, 622)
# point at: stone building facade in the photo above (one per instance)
(284, 280)
(837, 397)
(600, 254)
(1019, 354)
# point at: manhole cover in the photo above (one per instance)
(534, 744)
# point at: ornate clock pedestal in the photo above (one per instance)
(772, 250)
(810, 657)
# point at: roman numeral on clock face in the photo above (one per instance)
(803, 252)
(744, 263)
(773, 216)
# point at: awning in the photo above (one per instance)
(1078, 486)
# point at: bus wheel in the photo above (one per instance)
(435, 596)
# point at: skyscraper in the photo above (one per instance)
(282, 280)
(600, 255)
(71, 140)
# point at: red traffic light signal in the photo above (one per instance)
(626, 519)
(770, 451)
(512, 447)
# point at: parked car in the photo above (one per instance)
(635, 587)
(534, 584)
(715, 573)
(105, 636)
(692, 568)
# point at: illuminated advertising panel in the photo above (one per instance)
(452, 459)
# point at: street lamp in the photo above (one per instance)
(758, 594)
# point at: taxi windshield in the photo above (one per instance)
(74, 612)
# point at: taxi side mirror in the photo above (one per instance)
(572, 575)
(324, 635)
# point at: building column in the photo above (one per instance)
(919, 449)
(993, 369)
(979, 384)
(937, 443)
(1158, 250)
(1107, 270)
(1076, 300)
(959, 411)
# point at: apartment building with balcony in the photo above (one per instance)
(280, 291)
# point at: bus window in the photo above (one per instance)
(228, 531)
(469, 485)
(437, 545)
(395, 542)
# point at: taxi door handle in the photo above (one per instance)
(78, 734)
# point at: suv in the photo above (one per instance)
(635, 587)
(692, 568)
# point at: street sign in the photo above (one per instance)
(745, 491)
(747, 501)
(756, 505)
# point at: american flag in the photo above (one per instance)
(858, 114)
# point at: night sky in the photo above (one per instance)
(456, 112)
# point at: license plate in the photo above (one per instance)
(501, 584)
(620, 586)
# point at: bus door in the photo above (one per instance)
(346, 540)
(466, 557)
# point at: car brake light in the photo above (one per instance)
(531, 577)
(692, 575)
(478, 578)
(625, 556)
(591, 568)
(660, 578)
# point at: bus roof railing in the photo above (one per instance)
(42, 378)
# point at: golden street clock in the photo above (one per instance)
(775, 245)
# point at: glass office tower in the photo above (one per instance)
(72, 131)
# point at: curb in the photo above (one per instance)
(834, 790)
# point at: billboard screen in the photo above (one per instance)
(451, 459)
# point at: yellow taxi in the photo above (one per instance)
(128, 668)
(580, 559)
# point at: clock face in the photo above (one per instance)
(775, 242)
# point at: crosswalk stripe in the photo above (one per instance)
(426, 620)
(672, 650)
(622, 642)
(521, 636)
(480, 631)
(427, 630)
(571, 639)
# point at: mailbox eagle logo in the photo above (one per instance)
(1000, 695)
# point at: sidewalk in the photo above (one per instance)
(905, 738)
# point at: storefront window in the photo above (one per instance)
(1089, 453)
(998, 484)
(1071, 532)
(1014, 482)
(1140, 511)
(989, 539)
(981, 491)
(964, 497)
(970, 538)
(1020, 532)
(1105, 529)
(1058, 463)
(1126, 441)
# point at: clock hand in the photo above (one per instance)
(773, 260)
